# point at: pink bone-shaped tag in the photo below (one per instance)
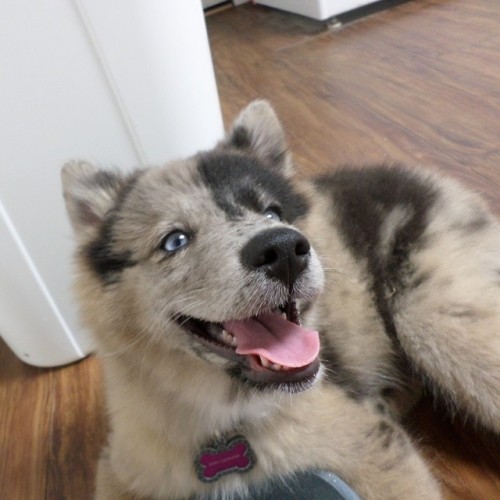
(233, 456)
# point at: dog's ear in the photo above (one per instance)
(89, 193)
(258, 129)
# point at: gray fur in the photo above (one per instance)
(402, 282)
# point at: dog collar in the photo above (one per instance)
(224, 456)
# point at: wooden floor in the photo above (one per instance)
(419, 84)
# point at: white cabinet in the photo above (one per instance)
(119, 82)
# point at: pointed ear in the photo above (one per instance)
(89, 194)
(257, 129)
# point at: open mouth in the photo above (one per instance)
(271, 348)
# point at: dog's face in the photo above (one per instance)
(203, 254)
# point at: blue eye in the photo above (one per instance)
(175, 241)
(273, 213)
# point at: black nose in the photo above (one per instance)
(281, 253)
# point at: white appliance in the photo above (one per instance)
(317, 9)
(117, 82)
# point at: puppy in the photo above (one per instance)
(251, 325)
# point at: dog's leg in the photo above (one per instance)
(448, 320)
(328, 430)
(382, 462)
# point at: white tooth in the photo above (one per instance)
(283, 315)
(226, 337)
(276, 367)
(234, 341)
(264, 362)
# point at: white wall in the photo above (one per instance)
(119, 82)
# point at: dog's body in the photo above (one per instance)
(183, 272)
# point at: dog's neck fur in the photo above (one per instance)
(196, 409)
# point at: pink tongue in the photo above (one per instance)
(276, 339)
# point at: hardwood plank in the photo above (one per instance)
(369, 82)
(25, 426)
(51, 429)
(78, 431)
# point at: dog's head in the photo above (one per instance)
(203, 256)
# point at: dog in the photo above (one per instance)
(252, 325)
